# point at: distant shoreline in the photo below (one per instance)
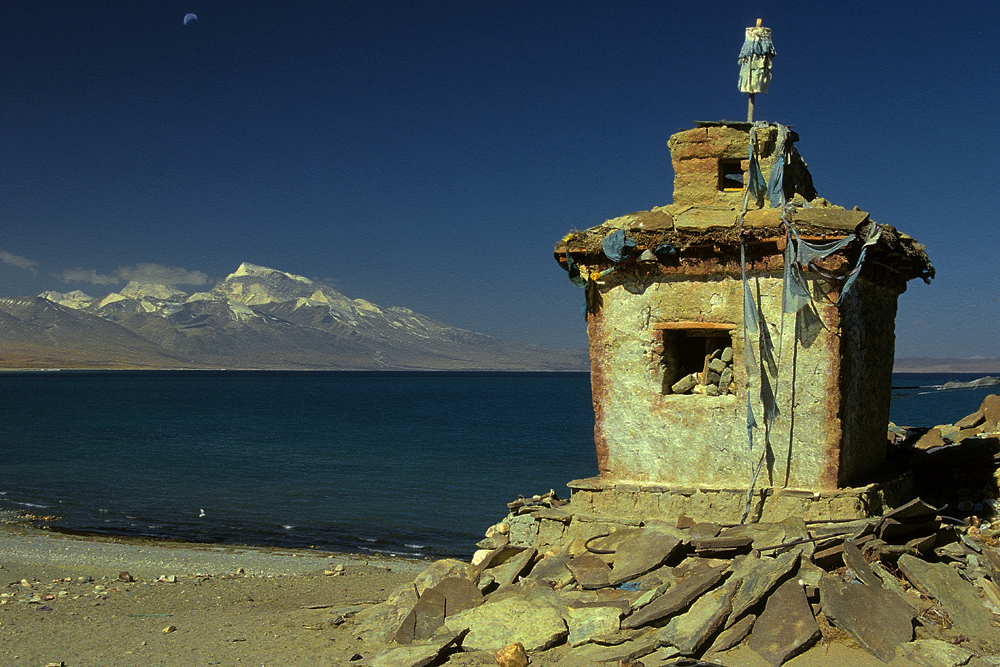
(985, 365)
(352, 371)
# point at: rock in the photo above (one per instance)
(691, 629)
(417, 655)
(459, 594)
(859, 566)
(786, 627)
(915, 509)
(955, 594)
(936, 653)
(511, 656)
(432, 576)
(586, 622)
(762, 534)
(704, 530)
(508, 573)
(640, 554)
(990, 407)
(684, 385)
(590, 571)
(852, 608)
(930, 440)
(652, 594)
(732, 635)
(755, 577)
(593, 654)
(552, 570)
(534, 622)
(677, 597)
(423, 620)
(722, 546)
(971, 421)
(381, 622)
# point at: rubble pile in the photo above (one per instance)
(912, 581)
(921, 581)
(715, 379)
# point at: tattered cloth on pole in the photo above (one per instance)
(755, 60)
(618, 247)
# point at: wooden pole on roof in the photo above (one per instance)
(755, 63)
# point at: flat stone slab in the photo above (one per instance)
(494, 625)
(955, 594)
(442, 569)
(590, 571)
(677, 597)
(459, 594)
(875, 617)
(722, 545)
(507, 573)
(755, 577)
(416, 655)
(587, 622)
(859, 566)
(786, 627)
(936, 653)
(595, 654)
(732, 635)
(381, 622)
(552, 570)
(689, 631)
(423, 620)
(642, 553)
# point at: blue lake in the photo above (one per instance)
(417, 464)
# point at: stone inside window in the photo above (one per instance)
(697, 360)
(731, 175)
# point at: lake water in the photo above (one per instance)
(416, 464)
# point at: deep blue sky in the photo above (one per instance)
(430, 154)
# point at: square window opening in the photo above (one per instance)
(731, 175)
(698, 361)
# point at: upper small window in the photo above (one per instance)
(731, 175)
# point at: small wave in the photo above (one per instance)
(415, 546)
(32, 505)
(287, 526)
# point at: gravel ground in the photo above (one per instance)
(62, 601)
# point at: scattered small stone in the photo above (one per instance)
(170, 628)
(511, 656)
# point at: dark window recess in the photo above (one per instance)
(697, 361)
(731, 175)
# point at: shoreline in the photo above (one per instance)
(146, 557)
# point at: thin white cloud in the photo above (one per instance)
(145, 273)
(18, 261)
(166, 275)
(89, 276)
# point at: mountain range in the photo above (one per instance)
(257, 318)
